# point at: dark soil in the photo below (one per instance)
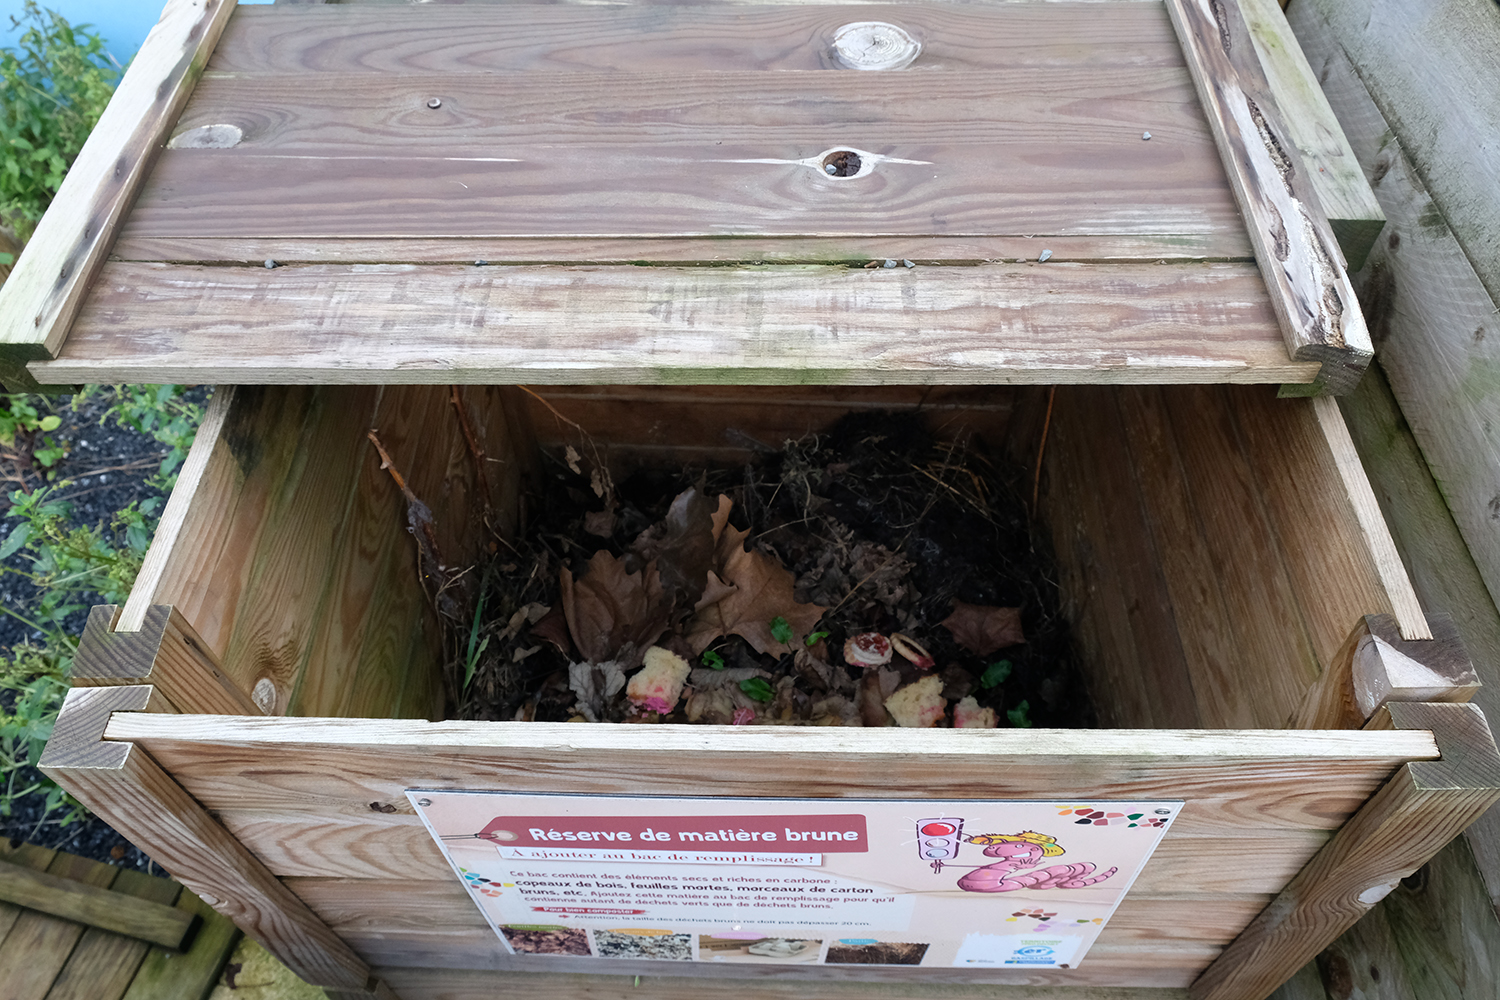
(107, 466)
(881, 953)
(875, 520)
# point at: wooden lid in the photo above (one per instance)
(516, 192)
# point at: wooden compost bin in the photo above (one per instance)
(1101, 196)
(1216, 547)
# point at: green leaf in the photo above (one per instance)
(15, 540)
(994, 674)
(712, 659)
(1018, 715)
(781, 629)
(816, 637)
(50, 422)
(6, 259)
(757, 688)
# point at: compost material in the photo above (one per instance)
(868, 576)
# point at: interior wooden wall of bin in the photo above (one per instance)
(1212, 561)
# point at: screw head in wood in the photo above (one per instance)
(435, 103)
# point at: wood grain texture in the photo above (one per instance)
(32, 856)
(1295, 247)
(443, 984)
(1436, 325)
(559, 38)
(1254, 574)
(39, 945)
(39, 299)
(1415, 814)
(440, 984)
(1113, 579)
(999, 323)
(145, 805)
(132, 914)
(1419, 61)
(165, 652)
(1442, 568)
(1329, 702)
(922, 250)
(1444, 927)
(1332, 169)
(1238, 781)
(190, 976)
(104, 964)
(734, 189)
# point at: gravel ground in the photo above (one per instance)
(107, 466)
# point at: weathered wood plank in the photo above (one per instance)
(1226, 245)
(1296, 249)
(38, 945)
(482, 114)
(669, 39)
(1254, 573)
(32, 856)
(1403, 825)
(46, 286)
(1442, 567)
(737, 189)
(1348, 202)
(1432, 317)
(1341, 560)
(1421, 61)
(144, 804)
(130, 912)
(189, 976)
(447, 984)
(1201, 615)
(104, 963)
(1239, 781)
(999, 323)
(1444, 928)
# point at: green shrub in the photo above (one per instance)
(53, 88)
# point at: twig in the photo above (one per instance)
(475, 451)
(1036, 483)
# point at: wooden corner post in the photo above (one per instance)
(1376, 666)
(1413, 816)
(167, 653)
(1295, 246)
(121, 782)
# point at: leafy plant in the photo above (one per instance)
(53, 88)
(712, 659)
(72, 566)
(758, 688)
(1020, 715)
(781, 629)
(22, 420)
(813, 638)
(994, 674)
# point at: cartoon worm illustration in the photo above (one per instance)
(1021, 851)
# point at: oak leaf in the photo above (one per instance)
(762, 592)
(982, 629)
(612, 614)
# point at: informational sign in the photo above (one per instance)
(973, 884)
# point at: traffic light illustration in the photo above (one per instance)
(938, 838)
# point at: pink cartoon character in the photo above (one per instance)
(1021, 851)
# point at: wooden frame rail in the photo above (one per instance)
(48, 283)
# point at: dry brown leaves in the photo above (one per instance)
(762, 591)
(614, 615)
(982, 629)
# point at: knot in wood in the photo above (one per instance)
(874, 45)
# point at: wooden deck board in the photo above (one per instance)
(999, 323)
